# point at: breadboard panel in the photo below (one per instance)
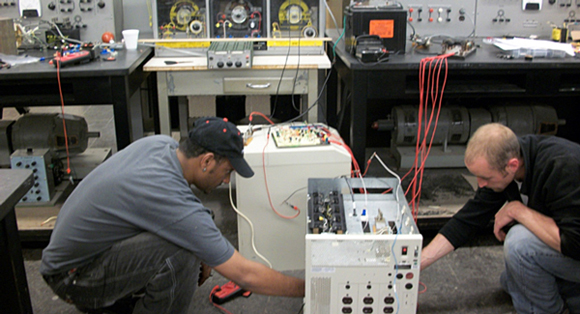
(300, 135)
(91, 17)
(508, 17)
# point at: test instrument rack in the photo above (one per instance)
(274, 27)
(87, 18)
(363, 248)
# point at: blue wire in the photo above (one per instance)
(336, 43)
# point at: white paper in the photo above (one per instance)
(532, 44)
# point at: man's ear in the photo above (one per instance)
(206, 160)
(513, 165)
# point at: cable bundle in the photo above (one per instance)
(430, 97)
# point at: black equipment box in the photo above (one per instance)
(370, 49)
(387, 22)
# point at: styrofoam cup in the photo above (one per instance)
(131, 37)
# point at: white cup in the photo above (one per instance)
(131, 37)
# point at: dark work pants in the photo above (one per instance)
(167, 273)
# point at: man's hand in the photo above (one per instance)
(505, 216)
(204, 273)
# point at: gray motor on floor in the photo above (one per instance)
(37, 141)
(46, 130)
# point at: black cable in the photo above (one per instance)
(295, 78)
(301, 310)
(350, 189)
(323, 87)
(346, 99)
(282, 74)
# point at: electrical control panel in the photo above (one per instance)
(180, 19)
(91, 18)
(297, 18)
(485, 18)
(363, 248)
(524, 17)
(39, 161)
(441, 17)
(230, 55)
(238, 18)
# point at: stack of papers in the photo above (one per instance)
(536, 48)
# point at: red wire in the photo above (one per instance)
(431, 93)
(424, 285)
(259, 21)
(62, 110)
(266, 183)
(216, 305)
(261, 114)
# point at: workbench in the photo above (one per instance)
(358, 94)
(97, 82)
(14, 295)
(269, 75)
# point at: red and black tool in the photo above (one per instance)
(227, 292)
(77, 57)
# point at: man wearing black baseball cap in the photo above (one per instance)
(222, 138)
(134, 224)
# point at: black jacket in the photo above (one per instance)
(552, 184)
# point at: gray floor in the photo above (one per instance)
(466, 281)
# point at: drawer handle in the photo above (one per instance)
(258, 86)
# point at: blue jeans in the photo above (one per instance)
(538, 278)
(167, 273)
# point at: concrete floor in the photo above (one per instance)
(464, 282)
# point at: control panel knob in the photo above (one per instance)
(51, 6)
(229, 64)
(101, 4)
(220, 64)
(238, 64)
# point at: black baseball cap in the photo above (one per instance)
(221, 137)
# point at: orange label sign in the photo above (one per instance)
(382, 28)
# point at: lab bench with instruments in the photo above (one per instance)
(359, 94)
(97, 82)
(268, 75)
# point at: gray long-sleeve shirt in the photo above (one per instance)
(139, 189)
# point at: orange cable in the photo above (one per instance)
(260, 114)
(436, 96)
(266, 183)
(424, 290)
(63, 119)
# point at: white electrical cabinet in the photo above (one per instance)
(281, 173)
(363, 248)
